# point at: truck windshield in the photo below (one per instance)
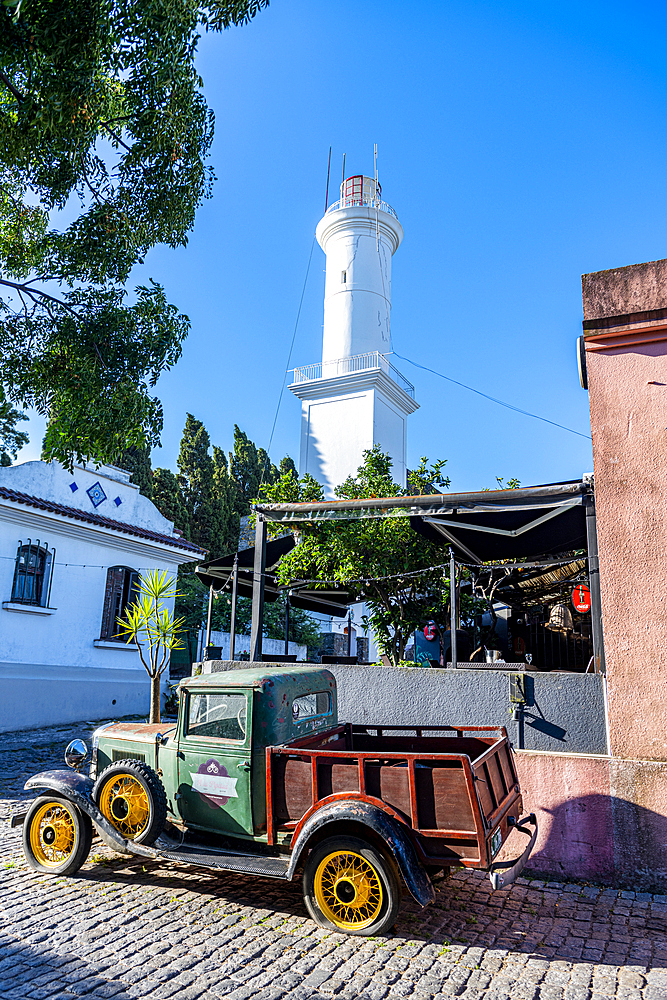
(217, 715)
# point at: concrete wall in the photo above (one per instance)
(565, 712)
(242, 645)
(625, 325)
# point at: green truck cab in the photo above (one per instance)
(258, 776)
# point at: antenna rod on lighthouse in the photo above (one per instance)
(326, 200)
(377, 220)
(343, 192)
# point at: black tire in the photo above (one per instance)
(56, 836)
(131, 797)
(351, 887)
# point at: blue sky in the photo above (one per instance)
(520, 145)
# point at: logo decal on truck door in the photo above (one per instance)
(213, 784)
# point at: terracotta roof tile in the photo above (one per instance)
(103, 522)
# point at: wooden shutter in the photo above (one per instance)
(113, 601)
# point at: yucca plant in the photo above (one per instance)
(149, 622)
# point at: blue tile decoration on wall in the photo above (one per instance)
(73, 487)
(118, 501)
(96, 494)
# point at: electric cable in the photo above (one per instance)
(492, 398)
(289, 358)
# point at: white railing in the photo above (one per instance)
(353, 202)
(357, 363)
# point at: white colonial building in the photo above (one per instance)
(355, 398)
(72, 547)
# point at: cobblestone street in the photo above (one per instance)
(141, 929)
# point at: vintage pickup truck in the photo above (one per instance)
(258, 776)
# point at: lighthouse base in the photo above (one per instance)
(344, 415)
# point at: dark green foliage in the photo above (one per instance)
(196, 476)
(246, 466)
(193, 606)
(224, 490)
(138, 462)
(100, 103)
(11, 438)
(287, 467)
(359, 553)
(168, 498)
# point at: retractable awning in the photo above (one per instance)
(511, 524)
(217, 573)
(480, 527)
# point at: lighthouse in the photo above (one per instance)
(355, 398)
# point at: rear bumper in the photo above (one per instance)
(503, 873)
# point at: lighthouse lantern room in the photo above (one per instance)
(355, 398)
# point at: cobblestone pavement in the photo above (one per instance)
(129, 929)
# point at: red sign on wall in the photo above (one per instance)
(581, 597)
(429, 631)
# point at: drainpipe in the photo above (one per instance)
(259, 569)
(287, 623)
(594, 581)
(208, 615)
(452, 605)
(232, 623)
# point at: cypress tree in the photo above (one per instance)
(287, 467)
(196, 473)
(168, 498)
(224, 491)
(137, 461)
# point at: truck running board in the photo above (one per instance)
(246, 864)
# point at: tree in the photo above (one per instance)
(149, 622)
(195, 466)
(224, 491)
(11, 438)
(168, 498)
(373, 557)
(100, 104)
(192, 606)
(137, 461)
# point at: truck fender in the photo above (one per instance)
(365, 813)
(77, 788)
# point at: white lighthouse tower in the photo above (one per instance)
(355, 398)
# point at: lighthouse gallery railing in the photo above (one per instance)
(356, 363)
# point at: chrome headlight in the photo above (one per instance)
(75, 754)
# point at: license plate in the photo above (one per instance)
(496, 841)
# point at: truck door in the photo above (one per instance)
(214, 764)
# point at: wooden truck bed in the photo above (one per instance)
(452, 787)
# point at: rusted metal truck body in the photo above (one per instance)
(258, 776)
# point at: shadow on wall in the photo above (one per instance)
(605, 839)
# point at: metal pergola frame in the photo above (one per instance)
(501, 520)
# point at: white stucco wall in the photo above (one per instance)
(357, 298)
(51, 669)
(53, 482)
(342, 417)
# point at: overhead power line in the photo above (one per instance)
(500, 402)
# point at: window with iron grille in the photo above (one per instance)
(32, 573)
(121, 590)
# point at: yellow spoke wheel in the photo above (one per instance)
(56, 836)
(53, 834)
(125, 803)
(351, 886)
(130, 795)
(348, 890)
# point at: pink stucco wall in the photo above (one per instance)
(599, 818)
(605, 818)
(628, 401)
